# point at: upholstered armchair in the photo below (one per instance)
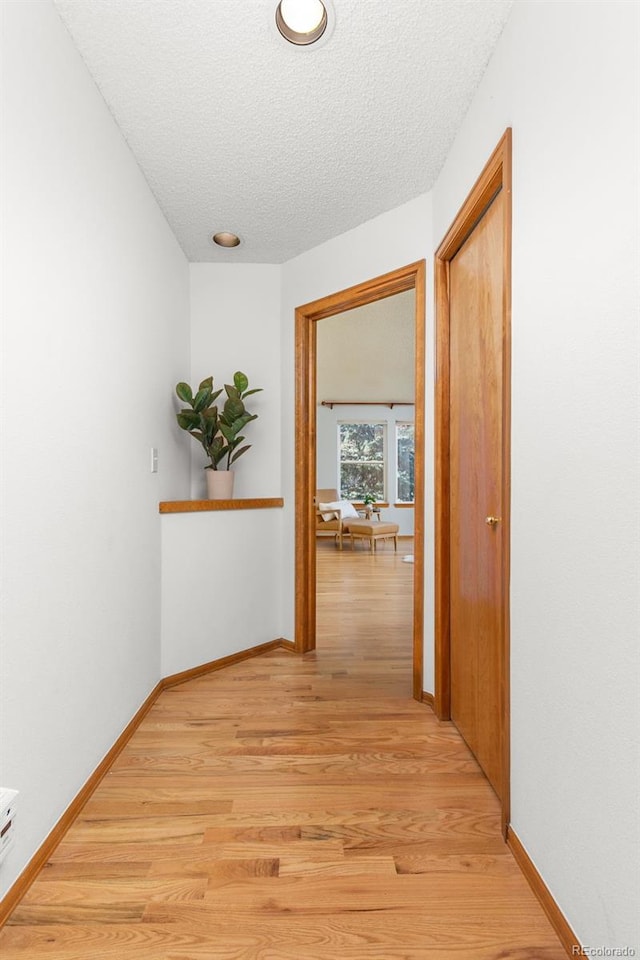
(329, 522)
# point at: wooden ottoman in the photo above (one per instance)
(366, 530)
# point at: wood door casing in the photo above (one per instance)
(475, 423)
(413, 276)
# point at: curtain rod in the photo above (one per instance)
(367, 403)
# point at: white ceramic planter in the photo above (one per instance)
(219, 484)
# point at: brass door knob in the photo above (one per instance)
(492, 520)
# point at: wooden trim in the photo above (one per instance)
(496, 176)
(428, 698)
(411, 277)
(507, 187)
(17, 891)
(442, 703)
(419, 481)
(488, 184)
(46, 848)
(379, 288)
(185, 675)
(202, 506)
(305, 481)
(556, 917)
(402, 505)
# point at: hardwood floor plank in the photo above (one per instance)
(141, 830)
(346, 867)
(318, 852)
(352, 765)
(445, 895)
(330, 939)
(386, 796)
(106, 890)
(94, 870)
(99, 808)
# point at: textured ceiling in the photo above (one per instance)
(235, 129)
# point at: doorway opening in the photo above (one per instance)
(405, 279)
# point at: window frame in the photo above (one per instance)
(403, 423)
(385, 453)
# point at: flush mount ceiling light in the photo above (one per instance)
(226, 239)
(301, 21)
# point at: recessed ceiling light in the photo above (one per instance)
(226, 239)
(301, 21)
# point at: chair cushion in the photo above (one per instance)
(365, 528)
(337, 510)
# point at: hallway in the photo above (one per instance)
(304, 809)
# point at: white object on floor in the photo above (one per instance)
(408, 558)
(7, 820)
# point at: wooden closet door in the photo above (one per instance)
(476, 417)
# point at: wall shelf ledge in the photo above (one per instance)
(204, 506)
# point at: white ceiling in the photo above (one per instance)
(368, 353)
(236, 129)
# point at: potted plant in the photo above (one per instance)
(218, 430)
(368, 501)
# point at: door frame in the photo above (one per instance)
(411, 277)
(495, 176)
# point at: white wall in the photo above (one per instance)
(235, 312)
(565, 76)
(353, 257)
(327, 419)
(221, 591)
(236, 556)
(95, 333)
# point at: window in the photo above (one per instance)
(405, 452)
(361, 460)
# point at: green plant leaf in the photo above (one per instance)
(210, 429)
(206, 383)
(214, 396)
(217, 450)
(248, 393)
(232, 430)
(233, 409)
(243, 421)
(202, 399)
(184, 392)
(239, 453)
(241, 381)
(188, 419)
(232, 391)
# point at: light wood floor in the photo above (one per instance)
(292, 809)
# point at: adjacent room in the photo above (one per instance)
(365, 496)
